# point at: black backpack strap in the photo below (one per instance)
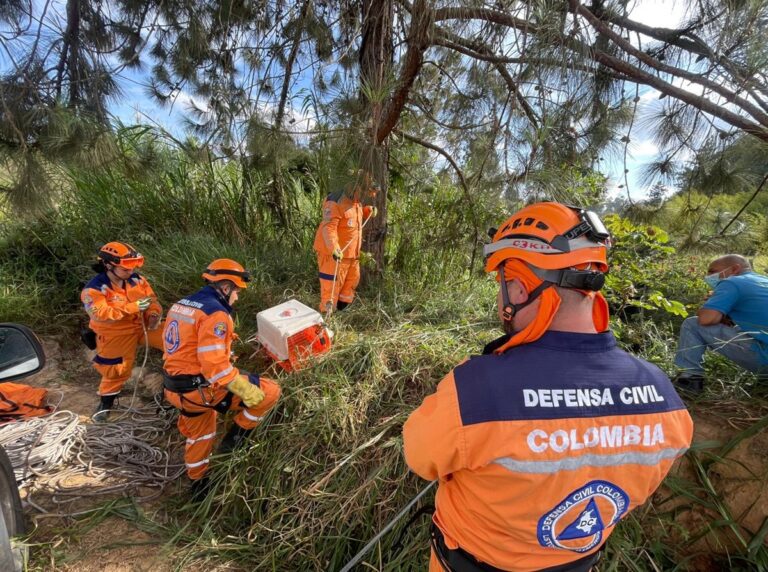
(398, 545)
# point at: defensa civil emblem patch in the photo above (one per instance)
(220, 330)
(578, 521)
(171, 337)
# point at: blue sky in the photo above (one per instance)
(136, 106)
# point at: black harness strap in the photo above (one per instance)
(462, 561)
(14, 413)
(509, 310)
(427, 509)
(13, 405)
(184, 384)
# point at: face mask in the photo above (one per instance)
(712, 279)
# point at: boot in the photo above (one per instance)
(234, 439)
(689, 384)
(102, 410)
(200, 489)
(341, 305)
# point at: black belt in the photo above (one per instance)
(183, 383)
(459, 560)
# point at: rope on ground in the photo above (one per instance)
(39, 445)
(71, 460)
(127, 456)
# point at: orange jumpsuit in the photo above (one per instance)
(340, 228)
(541, 450)
(116, 320)
(198, 337)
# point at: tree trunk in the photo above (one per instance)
(277, 200)
(72, 42)
(376, 53)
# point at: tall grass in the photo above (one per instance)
(326, 473)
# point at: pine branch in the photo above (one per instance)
(578, 9)
(742, 209)
(462, 181)
(503, 71)
(289, 64)
(418, 42)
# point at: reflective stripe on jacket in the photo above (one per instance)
(541, 450)
(341, 226)
(198, 337)
(112, 308)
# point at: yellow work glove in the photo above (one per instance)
(138, 305)
(374, 212)
(251, 394)
(337, 253)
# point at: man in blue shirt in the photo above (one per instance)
(733, 321)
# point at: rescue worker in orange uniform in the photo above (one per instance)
(122, 306)
(338, 241)
(545, 442)
(200, 379)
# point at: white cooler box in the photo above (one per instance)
(279, 323)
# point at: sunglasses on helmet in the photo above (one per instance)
(590, 225)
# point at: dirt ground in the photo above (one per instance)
(119, 545)
(114, 544)
(740, 480)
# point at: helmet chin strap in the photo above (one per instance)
(509, 310)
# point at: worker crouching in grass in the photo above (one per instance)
(122, 309)
(545, 442)
(200, 379)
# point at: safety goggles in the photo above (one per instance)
(590, 225)
(128, 262)
(131, 263)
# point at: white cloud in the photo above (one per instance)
(295, 122)
(644, 148)
(658, 13)
(187, 102)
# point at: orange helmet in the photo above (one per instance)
(121, 254)
(562, 245)
(545, 245)
(226, 269)
(550, 236)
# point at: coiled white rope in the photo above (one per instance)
(129, 455)
(39, 445)
(71, 460)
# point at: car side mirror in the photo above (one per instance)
(21, 353)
